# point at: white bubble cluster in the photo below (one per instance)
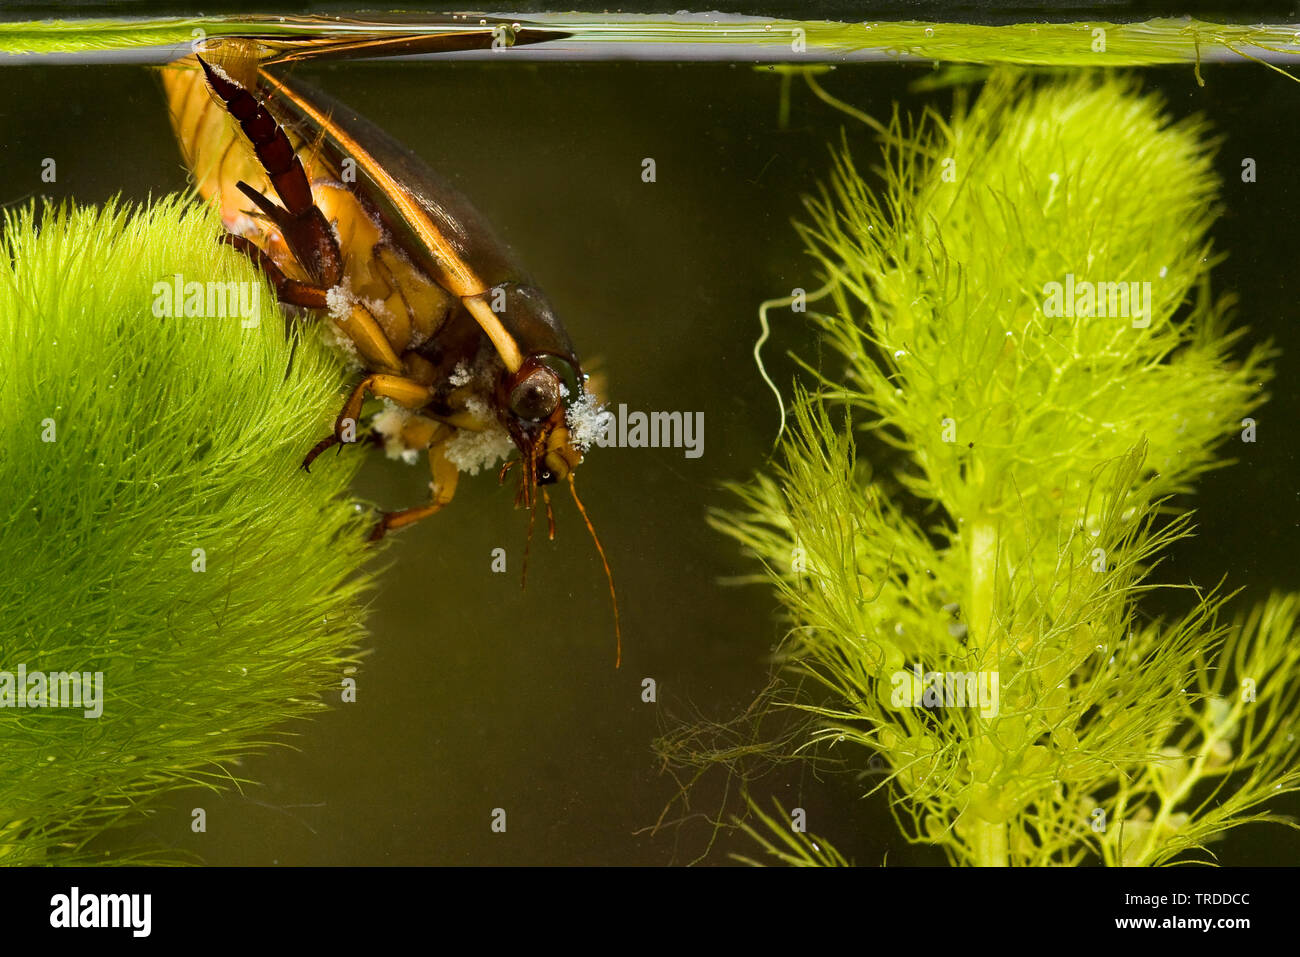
(586, 420)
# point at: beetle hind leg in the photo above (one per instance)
(303, 224)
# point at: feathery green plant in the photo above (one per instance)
(1097, 43)
(973, 619)
(129, 441)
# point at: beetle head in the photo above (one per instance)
(533, 400)
(534, 404)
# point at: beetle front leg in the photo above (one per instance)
(405, 392)
(443, 486)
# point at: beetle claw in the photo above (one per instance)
(316, 450)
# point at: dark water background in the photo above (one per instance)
(478, 695)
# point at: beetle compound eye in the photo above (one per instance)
(568, 375)
(536, 395)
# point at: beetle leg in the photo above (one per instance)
(443, 486)
(293, 292)
(405, 392)
(372, 344)
(316, 450)
(304, 226)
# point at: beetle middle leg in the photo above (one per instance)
(405, 392)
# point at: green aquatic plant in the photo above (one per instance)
(1097, 43)
(158, 531)
(1027, 342)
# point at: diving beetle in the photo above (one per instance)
(441, 319)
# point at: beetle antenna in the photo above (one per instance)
(609, 576)
(526, 481)
(550, 516)
(528, 545)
